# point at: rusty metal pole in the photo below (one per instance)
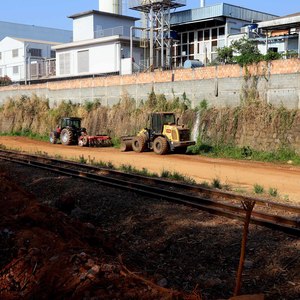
(248, 206)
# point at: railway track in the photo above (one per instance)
(273, 215)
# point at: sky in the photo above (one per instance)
(54, 13)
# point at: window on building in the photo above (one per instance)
(221, 31)
(52, 54)
(35, 52)
(200, 35)
(191, 51)
(15, 69)
(184, 50)
(0, 55)
(83, 61)
(184, 38)
(214, 46)
(214, 33)
(191, 37)
(64, 63)
(206, 35)
(15, 52)
(1, 73)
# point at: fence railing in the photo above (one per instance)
(120, 30)
(42, 69)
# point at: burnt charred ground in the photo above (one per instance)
(174, 246)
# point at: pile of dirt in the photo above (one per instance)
(44, 254)
(173, 246)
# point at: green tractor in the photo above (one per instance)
(70, 132)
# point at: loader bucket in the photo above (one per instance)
(126, 144)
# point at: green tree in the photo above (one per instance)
(225, 55)
(246, 52)
(271, 55)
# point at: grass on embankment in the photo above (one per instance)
(27, 133)
(282, 155)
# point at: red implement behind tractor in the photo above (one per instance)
(70, 132)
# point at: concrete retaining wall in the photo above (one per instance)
(278, 83)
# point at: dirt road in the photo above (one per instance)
(237, 174)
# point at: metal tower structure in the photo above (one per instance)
(158, 14)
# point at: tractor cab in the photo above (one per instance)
(158, 120)
(74, 123)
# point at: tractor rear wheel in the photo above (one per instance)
(66, 136)
(160, 146)
(53, 138)
(139, 144)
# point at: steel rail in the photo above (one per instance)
(208, 193)
(287, 225)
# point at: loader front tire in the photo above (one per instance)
(160, 146)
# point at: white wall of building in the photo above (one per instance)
(12, 59)
(102, 58)
(281, 44)
(105, 58)
(98, 58)
(86, 26)
(83, 28)
(15, 54)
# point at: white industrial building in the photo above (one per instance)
(101, 44)
(280, 35)
(202, 30)
(25, 50)
(24, 59)
(105, 41)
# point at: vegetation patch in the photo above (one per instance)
(177, 176)
(258, 189)
(255, 130)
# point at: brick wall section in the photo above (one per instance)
(288, 66)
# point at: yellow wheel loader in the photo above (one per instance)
(163, 136)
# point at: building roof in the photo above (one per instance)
(285, 22)
(101, 13)
(34, 32)
(219, 11)
(101, 40)
(34, 41)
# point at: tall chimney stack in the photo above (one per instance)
(202, 3)
(111, 6)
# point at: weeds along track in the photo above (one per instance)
(273, 215)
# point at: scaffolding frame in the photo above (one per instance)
(158, 28)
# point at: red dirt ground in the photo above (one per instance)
(46, 255)
(237, 174)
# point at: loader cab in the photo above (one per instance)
(158, 120)
(71, 122)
